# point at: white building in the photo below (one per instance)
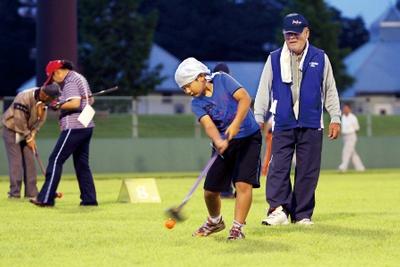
(375, 69)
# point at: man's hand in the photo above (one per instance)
(55, 105)
(31, 143)
(232, 131)
(334, 130)
(221, 145)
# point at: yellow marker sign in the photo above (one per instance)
(139, 191)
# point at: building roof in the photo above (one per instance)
(246, 73)
(169, 63)
(374, 65)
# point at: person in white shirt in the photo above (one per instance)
(350, 127)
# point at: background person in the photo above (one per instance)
(222, 107)
(350, 127)
(74, 138)
(300, 80)
(21, 122)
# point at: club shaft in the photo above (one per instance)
(198, 180)
(102, 92)
(39, 161)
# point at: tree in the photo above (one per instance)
(353, 33)
(17, 40)
(218, 30)
(115, 42)
(325, 34)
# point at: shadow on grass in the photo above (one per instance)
(340, 216)
(249, 245)
(321, 228)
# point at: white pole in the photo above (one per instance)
(369, 125)
(369, 119)
(135, 120)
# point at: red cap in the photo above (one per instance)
(51, 67)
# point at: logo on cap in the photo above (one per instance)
(294, 22)
(52, 66)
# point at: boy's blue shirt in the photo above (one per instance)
(222, 106)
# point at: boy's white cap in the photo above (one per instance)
(188, 71)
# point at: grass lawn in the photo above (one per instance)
(357, 220)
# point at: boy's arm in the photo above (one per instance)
(211, 130)
(244, 102)
(72, 104)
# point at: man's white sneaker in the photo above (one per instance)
(305, 221)
(277, 217)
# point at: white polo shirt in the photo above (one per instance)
(349, 124)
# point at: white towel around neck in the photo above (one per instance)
(286, 69)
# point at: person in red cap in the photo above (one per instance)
(22, 121)
(75, 135)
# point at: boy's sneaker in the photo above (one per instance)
(236, 233)
(209, 228)
(305, 221)
(277, 217)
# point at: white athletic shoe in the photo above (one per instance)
(277, 217)
(305, 221)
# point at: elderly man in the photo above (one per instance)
(299, 80)
(21, 122)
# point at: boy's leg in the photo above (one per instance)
(214, 222)
(64, 148)
(82, 170)
(246, 176)
(213, 203)
(244, 196)
(215, 182)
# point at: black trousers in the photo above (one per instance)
(298, 201)
(73, 142)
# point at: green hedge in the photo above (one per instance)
(177, 126)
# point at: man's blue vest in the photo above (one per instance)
(310, 99)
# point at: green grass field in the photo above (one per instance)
(357, 220)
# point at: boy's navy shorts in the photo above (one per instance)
(241, 163)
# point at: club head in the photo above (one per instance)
(175, 214)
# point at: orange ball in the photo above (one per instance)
(170, 223)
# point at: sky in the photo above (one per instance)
(369, 10)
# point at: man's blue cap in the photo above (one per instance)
(294, 22)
